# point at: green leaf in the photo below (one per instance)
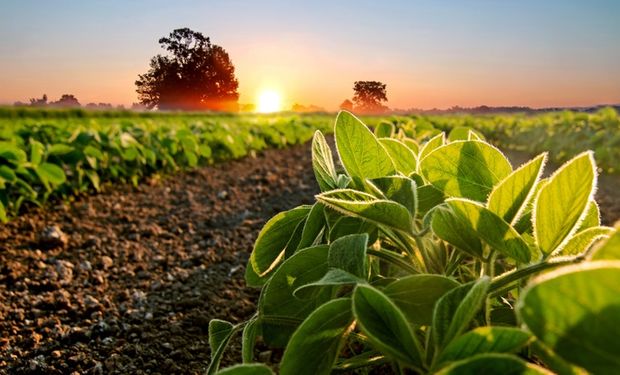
(592, 217)
(491, 229)
(412, 144)
(467, 169)
(313, 226)
(3, 217)
(349, 254)
(404, 159)
(50, 173)
(416, 295)
(360, 152)
(485, 340)
(494, 363)
(323, 163)
(574, 310)
(248, 340)
(333, 277)
(583, 240)
(315, 345)
(428, 198)
(475, 135)
(59, 149)
(280, 312)
(561, 204)
(12, 153)
(379, 211)
(7, 174)
(510, 197)
(36, 152)
(432, 144)
(346, 225)
(386, 326)
(272, 240)
(610, 249)
(448, 226)
(220, 332)
(384, 130)
(247, 369)
(459, 133)
(455, 310)
(399, 189)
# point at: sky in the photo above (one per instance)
(431, 54)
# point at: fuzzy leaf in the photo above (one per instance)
(448, 226)
(510, 197)
(404, 159)
(583, 240)
(455, 310)
(360, 152)
(315, 345)
(491, 229)
(485, 340)
(494, 363)
(313, 226)
(272, 240)
(432, 144)
(398, 189)
(416, 295)
(279, 311)
(466, 169)
(365, 206)
(561, 203)
(385, 325)
(323, 163)
(574, 310)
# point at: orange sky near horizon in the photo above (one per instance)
(441, 57)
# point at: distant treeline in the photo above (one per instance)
(483, 109)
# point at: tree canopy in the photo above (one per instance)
(369, 96)
(194, 75)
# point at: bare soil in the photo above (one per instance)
(141, 271)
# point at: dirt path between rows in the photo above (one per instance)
(145, 269)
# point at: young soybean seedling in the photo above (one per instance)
(420, 259)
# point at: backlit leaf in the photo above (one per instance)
(561, 203)
(574, 310)
(316, 343)
(367, 207)
(510, 197)
(360, 152)
(404, 159)
(466, 169)
(385, 325)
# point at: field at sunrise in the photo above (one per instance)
(287, 187)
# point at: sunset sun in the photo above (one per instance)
(269, 101)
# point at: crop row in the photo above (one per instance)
(45, 157)
(562, 134)
(433, 257)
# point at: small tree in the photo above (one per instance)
(66, 100)
(369, 96)
(347, 105)
(195, 75)
(42, 102)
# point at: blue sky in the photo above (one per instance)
(430, 53)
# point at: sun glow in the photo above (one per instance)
(269, 101)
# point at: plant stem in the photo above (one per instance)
(393, 258)
(488, 269)
(512, 276)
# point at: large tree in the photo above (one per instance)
(369, 96)
(194, 75)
